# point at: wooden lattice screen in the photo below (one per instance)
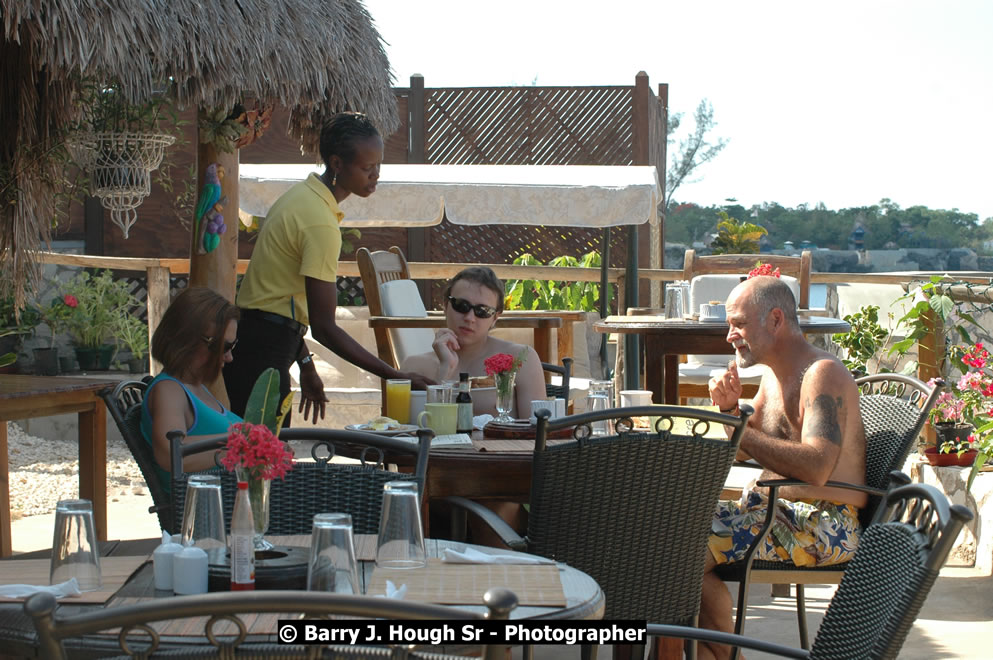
(529, 125)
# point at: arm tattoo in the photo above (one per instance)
(824, 417)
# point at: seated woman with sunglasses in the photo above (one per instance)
(193, 341)
(473, 302)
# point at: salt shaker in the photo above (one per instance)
(189, 571)
(162, 560)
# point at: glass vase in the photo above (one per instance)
(258, 497)
(505, 396)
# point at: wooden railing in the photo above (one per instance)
(159, 270)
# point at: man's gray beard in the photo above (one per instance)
(744, 360)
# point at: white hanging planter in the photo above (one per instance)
(120, 166)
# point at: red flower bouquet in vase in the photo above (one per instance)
(503, 367)
(257, 457)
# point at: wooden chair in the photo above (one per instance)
(318, 486)
(227, 619)
(124, 405)
(377, 268)
(631, 510)
(894, 409)
(884, 587)
(693, 377)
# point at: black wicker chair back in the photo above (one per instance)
(227, 616)
(560, 391)
(633, 510)
(894, 409)
(124, 405)
(321, 485)
(884, 586)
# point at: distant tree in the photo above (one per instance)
(737, 237)
(693, 151)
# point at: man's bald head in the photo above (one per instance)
(768, 293)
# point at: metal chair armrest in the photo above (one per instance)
(705, 635)
(506, 533)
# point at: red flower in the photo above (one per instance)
(253, 447)
(763, 269)
(70, 300)
(501, 362)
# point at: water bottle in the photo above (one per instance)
(242, 540)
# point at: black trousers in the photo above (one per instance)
(261, 344)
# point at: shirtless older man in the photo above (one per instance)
(806, 426)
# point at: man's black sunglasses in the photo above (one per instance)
(461, 305)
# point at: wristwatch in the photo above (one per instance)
(306, 359)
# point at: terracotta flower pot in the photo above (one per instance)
(937, 459)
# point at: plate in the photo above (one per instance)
(401, 430)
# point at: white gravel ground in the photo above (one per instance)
(42, 472)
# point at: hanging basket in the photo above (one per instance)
(120, 166)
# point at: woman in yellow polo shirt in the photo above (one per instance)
(290, 281)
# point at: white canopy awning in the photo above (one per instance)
(421, 195)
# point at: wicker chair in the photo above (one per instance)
(124, 405)
(884, 587)
(138, 639)
(632, 510)
(894, 409)
(560, 391)
(319, 486)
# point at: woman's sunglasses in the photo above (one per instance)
(461, 305)
(228, 345)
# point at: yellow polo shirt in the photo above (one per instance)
(300, 238)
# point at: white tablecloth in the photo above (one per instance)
(420, 195)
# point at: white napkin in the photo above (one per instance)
(68, 588)
(392, 591)
(479, 421)
(470, 556)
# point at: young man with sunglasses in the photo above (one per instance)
(473, 303)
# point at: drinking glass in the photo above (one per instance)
(398, 399)
(596, 401)
(400, 543)
(75, 553)
(332, 564)
(673, 303)
(439, 393)
(203, 516)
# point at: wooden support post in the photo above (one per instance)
(157, 285)
(217, 269)
(418, 237)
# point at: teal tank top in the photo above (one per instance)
(206, 421)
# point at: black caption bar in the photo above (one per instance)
(322, 631)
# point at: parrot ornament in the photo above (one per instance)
(210, 197)
(215, 226)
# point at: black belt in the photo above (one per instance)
(259, 315)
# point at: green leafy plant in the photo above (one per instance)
(132, 332)
(17, 325)
(263, 406)
(737, 237)
(864, 339)
(552, 294)
(103, 306)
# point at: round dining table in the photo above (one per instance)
(580, 596)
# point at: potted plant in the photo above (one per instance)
(132, 332)
(101, 304)
(962, 415)
(14, 328)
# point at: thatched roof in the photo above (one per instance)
(316, 57)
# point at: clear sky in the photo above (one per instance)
(842, 102)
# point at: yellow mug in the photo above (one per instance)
(442, 417)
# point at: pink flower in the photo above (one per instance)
(253, 447)
(498, 363)
(763, 269)
(70, 300)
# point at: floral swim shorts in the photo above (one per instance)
(806, 532)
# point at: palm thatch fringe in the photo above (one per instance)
(316, 57)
